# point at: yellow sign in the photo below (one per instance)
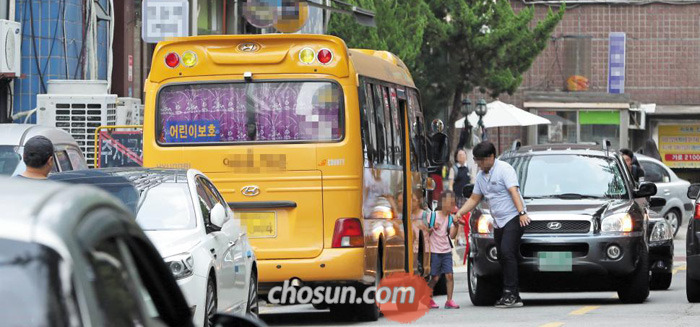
(679, 145)
(259, 224)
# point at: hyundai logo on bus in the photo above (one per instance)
(250, 190)
(249, 47)
(554, 225)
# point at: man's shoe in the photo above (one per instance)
(451, 305)
(501, 302)
(433, 305)
(511, 301)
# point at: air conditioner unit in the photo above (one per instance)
(637, 118)
(10, 42)
(79, 115)
(129, 111)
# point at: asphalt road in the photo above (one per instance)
(662, 308)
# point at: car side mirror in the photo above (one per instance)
(218, 215)
(467, 190)
(657, 204)
(693, 191)
(645, 189)
(230, 320)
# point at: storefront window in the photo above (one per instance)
(599, 125)
(561, 130)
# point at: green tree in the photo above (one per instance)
(400, 27)
(477, 44)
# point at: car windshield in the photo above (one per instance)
(167, 206)
(31, 288)
(569, 177)
(10, 160)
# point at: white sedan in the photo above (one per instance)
(193, 228)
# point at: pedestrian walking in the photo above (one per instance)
(38, 157)
(497, 183)
(459, 176)
(443, 228)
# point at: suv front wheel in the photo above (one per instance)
(483, 291)
(635, 288)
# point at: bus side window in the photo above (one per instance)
(419, 137)
(369, 136)
(388, 127)
(381, 134)
(397, 129)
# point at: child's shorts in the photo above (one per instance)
(440, 263)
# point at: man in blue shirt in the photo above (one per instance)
(497, 182)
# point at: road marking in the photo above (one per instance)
(584, 310)
(553, 324)
(683, 267)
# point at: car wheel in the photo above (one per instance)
(210, 304)
(635, 288)
(252, 307)
(673, 217)
(483, 291)
(692, 289)
(660, 281)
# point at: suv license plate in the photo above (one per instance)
(555, 261)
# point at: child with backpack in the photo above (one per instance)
(443, 228)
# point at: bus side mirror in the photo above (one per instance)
(467, 190)
(439, 149)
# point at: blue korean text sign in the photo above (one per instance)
(193, 131)
(616, 63)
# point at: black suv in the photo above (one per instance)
(588, 229)
(692, 248)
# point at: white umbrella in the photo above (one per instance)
(501, 114)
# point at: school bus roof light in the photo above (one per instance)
(325, 56)
(307, 55)
(172, 60)
(189, 59)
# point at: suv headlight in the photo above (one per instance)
(181, 265)
(485, 224)
(662, 232)
(617, 223)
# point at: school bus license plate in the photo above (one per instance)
(259, 224)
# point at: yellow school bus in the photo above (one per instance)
(316, 147)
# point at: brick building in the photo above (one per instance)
(661, 67)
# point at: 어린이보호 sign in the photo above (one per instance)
(163, 19)
(679, 145)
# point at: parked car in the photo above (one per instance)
(678, 207)
(13, 137)
(692, 248)
(587, 232)
(660, 233)
(73, 256)
(193, 228)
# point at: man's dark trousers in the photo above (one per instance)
(508, 245)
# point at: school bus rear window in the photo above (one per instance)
(250, 112)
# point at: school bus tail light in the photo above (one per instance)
(189, 59)
(348, 233)
(172, 60)
(307, 55)
(325, 56)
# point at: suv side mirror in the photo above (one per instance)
(230, 320)
(693, 191)
(218, 215)
(467, 190)
(645, 189)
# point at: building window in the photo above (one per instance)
(597, 126)
(561, 130)
(5, 9)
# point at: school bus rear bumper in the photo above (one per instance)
(332, 265)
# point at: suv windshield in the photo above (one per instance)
(568, 176)
(9, 160)
(31, 289)
(167, 206)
